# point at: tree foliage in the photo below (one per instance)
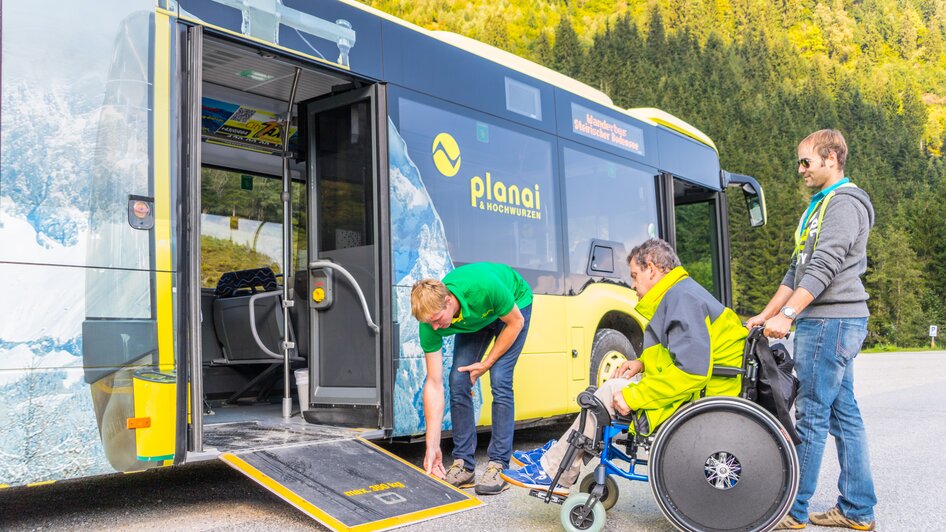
(757, 77)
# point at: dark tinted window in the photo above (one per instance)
(606, 199)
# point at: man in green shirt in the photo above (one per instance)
(478, 303)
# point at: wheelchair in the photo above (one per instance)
(718, 463)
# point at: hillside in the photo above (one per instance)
(758, 76)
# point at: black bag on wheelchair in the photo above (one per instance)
(777, 385)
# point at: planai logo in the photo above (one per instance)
(446, 154)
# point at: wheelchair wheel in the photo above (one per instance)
(593, 522)
(723, 463)
(611, 491)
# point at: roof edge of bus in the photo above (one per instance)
(523, 65)
(499, 56)
(387, 16)
(663, 118)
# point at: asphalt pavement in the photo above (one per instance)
(902, 397)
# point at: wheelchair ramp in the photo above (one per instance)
(350, 484)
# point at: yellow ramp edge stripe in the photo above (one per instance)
(420, 515)
(283, 492)
(40, 483)
(331, 522)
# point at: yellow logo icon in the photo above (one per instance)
(446, 154)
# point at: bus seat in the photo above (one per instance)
(231, 316)
(299, 313)
(210, 346)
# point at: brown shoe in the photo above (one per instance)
(834, 517)
(459, 476)
(491, 481)
(789, 523)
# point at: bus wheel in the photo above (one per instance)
(571, 514)
(609, 350)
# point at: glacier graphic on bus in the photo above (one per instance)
(419, 249)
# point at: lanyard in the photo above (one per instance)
(801, 235)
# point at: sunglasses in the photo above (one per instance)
(805, 163)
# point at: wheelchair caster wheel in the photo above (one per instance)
(610, 496)
(571, 510)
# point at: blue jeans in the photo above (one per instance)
(824, 360)
(469, 348)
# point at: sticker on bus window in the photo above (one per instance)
(226, 120)
(603, 128)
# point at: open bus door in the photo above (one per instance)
(348, 267)
(345, 482)
(326, 471)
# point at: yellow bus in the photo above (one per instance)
(211, 209)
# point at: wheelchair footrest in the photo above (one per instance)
(542, 494)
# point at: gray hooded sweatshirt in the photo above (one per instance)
(832, 271)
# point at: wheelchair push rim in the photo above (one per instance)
(723, 463)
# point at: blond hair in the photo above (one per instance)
(428, 297)
(826, 141)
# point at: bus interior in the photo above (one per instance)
(245, 93)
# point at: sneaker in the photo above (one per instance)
(524, 458)
(491, 482)
(834, 517)
(532, 477)
(789, 523)
(458, 475)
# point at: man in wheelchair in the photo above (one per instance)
(689, 332)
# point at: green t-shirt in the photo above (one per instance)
(485, 291)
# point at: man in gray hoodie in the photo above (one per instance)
(823, 295)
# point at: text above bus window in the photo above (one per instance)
(612, 132)
(491, 186)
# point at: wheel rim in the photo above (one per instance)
(581, 524)
(722, 470)
(610, 362)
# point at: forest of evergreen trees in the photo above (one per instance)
(757, 77)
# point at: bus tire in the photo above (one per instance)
(609, 350)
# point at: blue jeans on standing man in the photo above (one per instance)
(469, 348)
(824, 360)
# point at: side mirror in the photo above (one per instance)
(752, 192)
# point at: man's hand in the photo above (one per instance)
(475, 370)
(777, 326)
(755, 321)
(433, 462)
(620, 405)
(627, 370)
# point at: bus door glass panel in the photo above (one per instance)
(606, 199)
(343, 147)
(696, 217)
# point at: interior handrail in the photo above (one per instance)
(253, 330)
(351, 279)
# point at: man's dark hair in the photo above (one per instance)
(657, 251)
